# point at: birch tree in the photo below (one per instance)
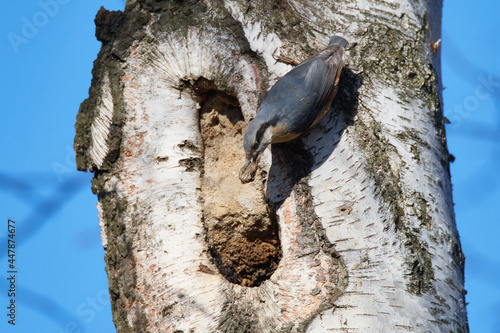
(350, 228)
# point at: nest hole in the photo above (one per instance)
(241, 228)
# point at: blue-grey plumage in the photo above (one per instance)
(296, 102)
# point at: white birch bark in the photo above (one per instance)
(367, 240)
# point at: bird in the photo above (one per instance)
(294, 104)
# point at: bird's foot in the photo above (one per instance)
(285, 59)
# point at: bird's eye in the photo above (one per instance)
(255, 145)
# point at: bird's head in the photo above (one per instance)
(257, 137)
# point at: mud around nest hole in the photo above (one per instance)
(242, 230)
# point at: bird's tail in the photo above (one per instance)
(338, 40)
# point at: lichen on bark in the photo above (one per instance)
(118, 253)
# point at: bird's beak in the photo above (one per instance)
(247, 162)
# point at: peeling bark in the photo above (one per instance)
(350, 228)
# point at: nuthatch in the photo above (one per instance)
(294, 104)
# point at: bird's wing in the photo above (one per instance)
(298, 98)
(323, 72)
(316, 80)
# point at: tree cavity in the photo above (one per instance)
(241, 229)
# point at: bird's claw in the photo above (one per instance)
(285, 59)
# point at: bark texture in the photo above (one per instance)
(350, 228)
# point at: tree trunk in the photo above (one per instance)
(350, 228)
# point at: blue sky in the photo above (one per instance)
(62, 285)
(471, 74)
